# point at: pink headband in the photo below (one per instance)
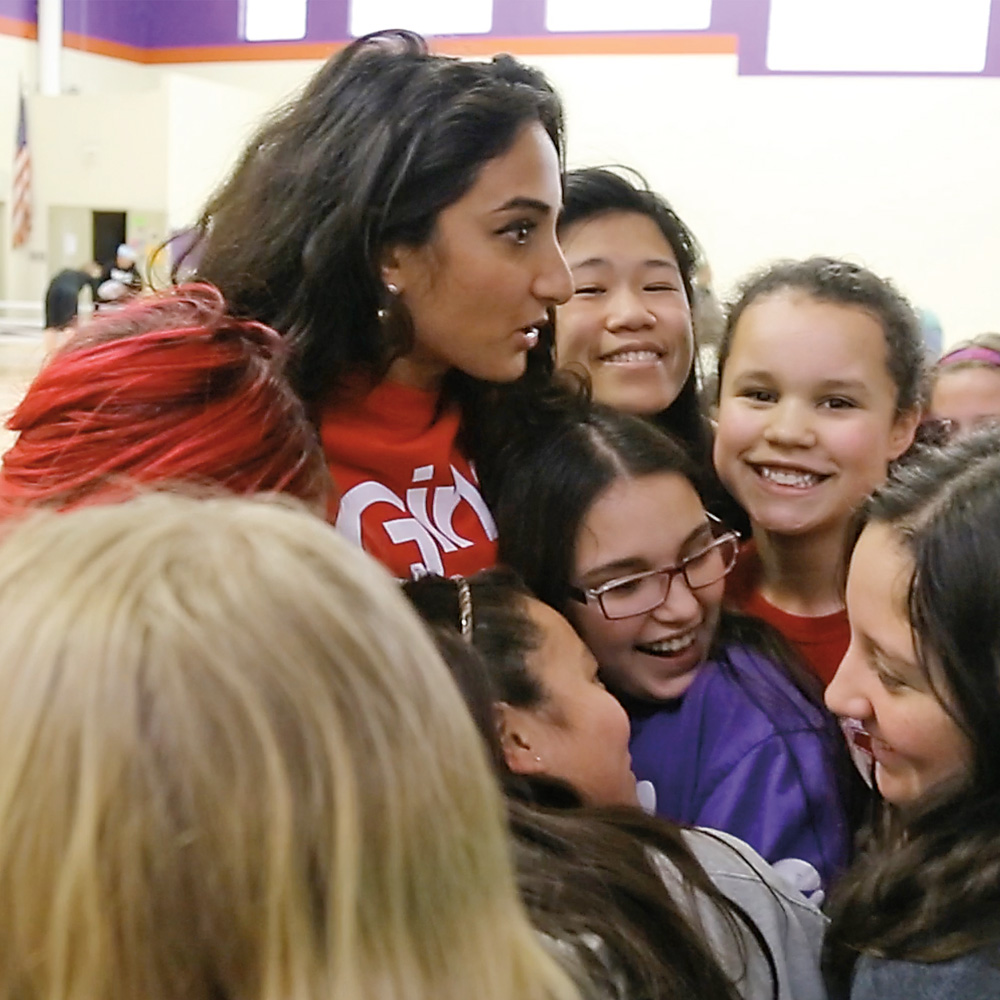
(984, 354)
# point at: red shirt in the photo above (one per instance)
(407, 495)
(821, 640)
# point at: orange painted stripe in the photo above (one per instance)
(247, 52)
(638, 43)
(19, 29)
(597, 44)
(103, 47)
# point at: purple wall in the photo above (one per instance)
(167, 24)
(20, 10)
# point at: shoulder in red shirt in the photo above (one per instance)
(821, 640)
(407, 494)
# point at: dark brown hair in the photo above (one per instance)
(927, 886)
(585, 872)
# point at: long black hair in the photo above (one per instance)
(927, 888)
(586, 874)
(382, 139)
(550, 485)
(595, 191)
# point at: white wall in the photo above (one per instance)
(901, 174)
(898, 173)
(208, 124)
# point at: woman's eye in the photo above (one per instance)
(887, 678)
(588, 290)
(759, 395)
(520, 231)
(625, 587)
(889, 682)
(839, 403)
(660, 286)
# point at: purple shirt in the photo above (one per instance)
(743, 750)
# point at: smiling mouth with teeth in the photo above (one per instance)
(668, 647)
(789, 477)
(631, 358)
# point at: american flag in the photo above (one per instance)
(21, 205)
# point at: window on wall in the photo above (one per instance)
(428, 17)
(628, 15)
(273, 20)
(872, 36)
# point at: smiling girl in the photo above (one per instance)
(397, 223)
(820, 375)
(919, 915)
(628, 324)
(602, 519)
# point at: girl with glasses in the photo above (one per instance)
(603, 520)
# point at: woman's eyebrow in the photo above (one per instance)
(532, 204)
(638, 564)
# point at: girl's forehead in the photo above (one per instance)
(641, 516)
(792, 332)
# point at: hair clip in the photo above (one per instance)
(464, 608)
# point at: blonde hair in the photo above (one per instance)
(233, 765)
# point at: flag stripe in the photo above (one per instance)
(21, 204)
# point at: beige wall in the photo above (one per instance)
(207, 124)
(899, 173)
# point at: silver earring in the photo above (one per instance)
(393, 291)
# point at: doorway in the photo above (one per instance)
(109, 234)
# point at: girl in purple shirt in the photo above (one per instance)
(602, 517)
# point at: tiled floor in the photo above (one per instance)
(21, 356)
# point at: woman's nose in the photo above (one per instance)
(627, 311)
(846, 695)
(553, 284)
(790, 424)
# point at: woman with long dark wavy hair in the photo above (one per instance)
(397, 222)
(919, 913)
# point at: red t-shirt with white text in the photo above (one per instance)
(403, 490)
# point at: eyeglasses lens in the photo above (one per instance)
(642, 594)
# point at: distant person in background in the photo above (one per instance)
(62, 299)
(965, 384)
(121, 279)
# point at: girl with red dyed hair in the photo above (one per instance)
(170, 388)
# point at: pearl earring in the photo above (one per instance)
(393, 291)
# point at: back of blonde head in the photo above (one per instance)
(233, 766)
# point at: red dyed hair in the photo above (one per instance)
(170, 388)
